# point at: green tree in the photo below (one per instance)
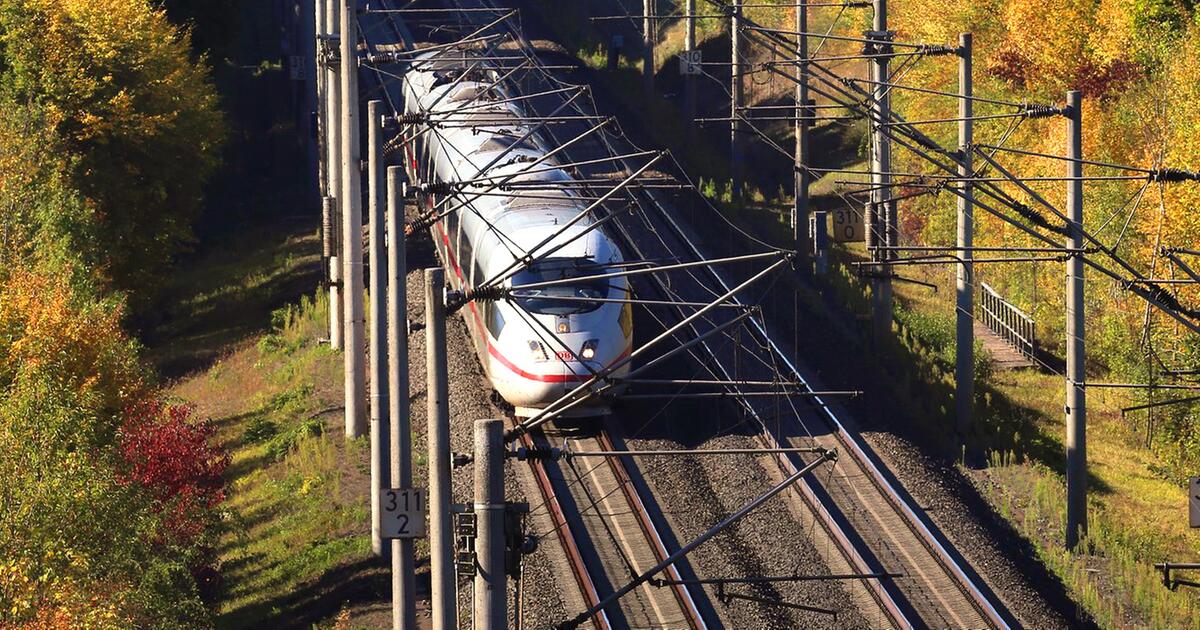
(136, 117)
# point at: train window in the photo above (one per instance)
(493, 319)
(565, 298)
(466, 252)
(502, 142)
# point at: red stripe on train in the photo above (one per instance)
(495, 352)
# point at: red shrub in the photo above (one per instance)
(170, 456)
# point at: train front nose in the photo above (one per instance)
(546, 374)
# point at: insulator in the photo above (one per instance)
(524, 453)
(409, 119)
(937, 49)
(421, 223)
(436, 188)
(1036, 217)
(1172, 175)
(1040, 111)
(327, 237)
(491, 293)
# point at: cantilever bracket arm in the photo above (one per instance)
(1174, 583)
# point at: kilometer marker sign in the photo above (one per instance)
(402, 513)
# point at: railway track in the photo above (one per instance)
(600, 515)
(601, 520)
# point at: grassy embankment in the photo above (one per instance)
(1137, 516)
(296, 545)
(238, 334)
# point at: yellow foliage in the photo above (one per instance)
(43, 602)
(136, 116)
(1051, 35)
(46, 329)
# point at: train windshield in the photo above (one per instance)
(565, 298)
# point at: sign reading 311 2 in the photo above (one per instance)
(689, 62)
(402, 513)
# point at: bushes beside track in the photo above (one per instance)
(109, 497)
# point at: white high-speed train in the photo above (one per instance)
(549, 339)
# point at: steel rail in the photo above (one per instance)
(828, 523)
(682, 592)
(855, 450)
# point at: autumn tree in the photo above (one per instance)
(134, 114)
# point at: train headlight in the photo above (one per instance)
(538, 351)
(589, 349)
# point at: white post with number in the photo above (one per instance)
(402, 513)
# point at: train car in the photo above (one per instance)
(547, 340)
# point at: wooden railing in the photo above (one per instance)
(1007, 321)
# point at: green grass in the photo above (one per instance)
(1137, 516)
(297, 508)
(1114, 580)
(224, 295)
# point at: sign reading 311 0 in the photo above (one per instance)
(402, 513)
(847, 225)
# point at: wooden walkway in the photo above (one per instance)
(1003, 355)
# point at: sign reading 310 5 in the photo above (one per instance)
(402, 513)
(689, 62)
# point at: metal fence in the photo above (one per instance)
(1007, 321)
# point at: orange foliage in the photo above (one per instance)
(45, 329)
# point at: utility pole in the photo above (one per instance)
(379, 331)
(327, 202)
(319, 86)
(491, 587)
(441, 543)
(1076, 408)
(736, 97)
(333, 169)
(964, 367)
(352, 263)
(404, 588)
(801, 177)
(883, 209)
(689, 44)
(306, 20)
(648, 28)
